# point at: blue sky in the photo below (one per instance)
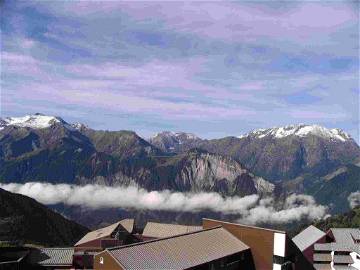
(210, 68)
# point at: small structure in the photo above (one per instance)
(154, 230)
(117, 234)
(113, 235)
(213, 248)
(306, 240)
(52, 258)
(340, 252)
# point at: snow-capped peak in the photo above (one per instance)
(79, 126)
(300, 130)
(35, 121)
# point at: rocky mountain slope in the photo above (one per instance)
(332, 189)
(24, 219)
(293, 159)
(175, 142)
(43, 148)
(283, 153)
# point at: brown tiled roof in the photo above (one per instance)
(52, 256)
(127, 224)
(161, 230)
(179, 252)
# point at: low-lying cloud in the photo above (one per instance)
(251, 209)
(354, 199)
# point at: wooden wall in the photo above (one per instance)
(260, 241)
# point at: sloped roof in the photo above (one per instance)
(161, 230)
(321, 266)
(127, 224)
(344, 241)
(308, 237)
(52, 256)
(179, 252)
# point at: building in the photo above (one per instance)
(113, 235)
(117, 234)
(306, 240)
(340, 252)
(51, 258)
(271, 249)
(213, 248)
(154, 230)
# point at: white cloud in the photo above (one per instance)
(354, 199)
(250, 208)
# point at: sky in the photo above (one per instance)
(210, 68)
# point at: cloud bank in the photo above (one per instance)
(354, 199)
(251, 209)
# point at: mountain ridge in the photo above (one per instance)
(43, 226)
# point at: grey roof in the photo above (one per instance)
(179, 252)
(344, 239)
(321, 257)
(321, 266)
(344, 267)
(127, 224)
(332, 247)
(52, 256)
(345, 235)
(343, 259)
(161, 230)
(308, 237)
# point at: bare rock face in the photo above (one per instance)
(203, 171)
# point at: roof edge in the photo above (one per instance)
(247, 226)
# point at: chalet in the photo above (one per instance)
(213, 248)
(154, 230)
(117, 234)
(113, 235)
(270, 249)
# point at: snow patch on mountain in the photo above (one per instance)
(300, 131)
(35, 121)
(79, 126)
(179, 137)
(189, 136)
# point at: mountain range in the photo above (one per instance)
(308, 159)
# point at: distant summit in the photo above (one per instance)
(169, 141)
(35, 121)
(300, 130)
